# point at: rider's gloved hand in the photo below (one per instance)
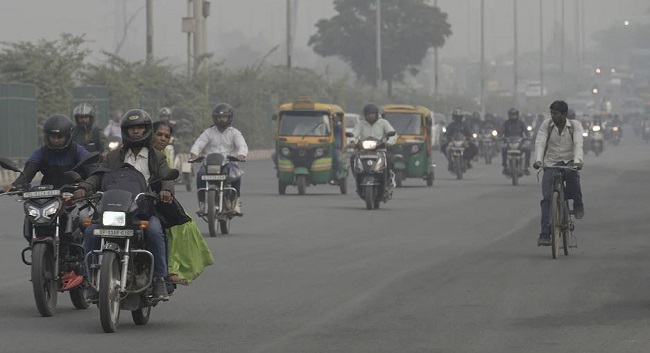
(578, 165)
(80, 193)
(537, 165)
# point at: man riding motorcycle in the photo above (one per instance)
(515, 127)
(85, 133)
(375, 126)
(137, 131)
(220, 138)
(458, 127)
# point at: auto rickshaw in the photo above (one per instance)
(310, 145)
(412, 151)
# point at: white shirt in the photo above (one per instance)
(230, 142)
(377, 130)
(140, 162)
(113, 130)
(561, 146)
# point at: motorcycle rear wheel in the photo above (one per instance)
(43, 283)
(141, 316)
(224, 226)
(109, 291)
(78, 298)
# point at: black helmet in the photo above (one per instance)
(83, 110)
(222, 109)
(513, 112)
(371, 108)
(60, 125)
(136, 117)
(457, 115)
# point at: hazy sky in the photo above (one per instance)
(264, 20)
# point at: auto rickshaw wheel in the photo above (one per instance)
(282, 187)
(430, 179)
(343, 185)
(301, 182)
(398, 179)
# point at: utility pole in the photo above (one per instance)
(378, 42)
(582, 34)
(562, 38)
(149, 11)
(483, 59)
(289, 44)
(576, 35)
(541, 47)
(514, 64)
(435, 62)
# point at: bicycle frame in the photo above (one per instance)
(561, 222)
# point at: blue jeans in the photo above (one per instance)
(236, 184)
(154, 237)
(571, 191)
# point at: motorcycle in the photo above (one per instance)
(487, 145)
(615, 134)
(374, 181)
(596, 139)
(57, 256)
(455, 152)
(221, 197)
(515, 158)
(586, 141)
(122, 269)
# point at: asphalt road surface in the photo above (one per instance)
(452, 268)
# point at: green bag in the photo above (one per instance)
(188, 252)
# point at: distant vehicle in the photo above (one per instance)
(439, 121)
(534, 89)
(351, 121)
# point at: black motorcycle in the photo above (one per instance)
(57, 254)
(221, 197)
(515, 158)
(487, 145)
(456, 155)
(122, 269)
(370, 167)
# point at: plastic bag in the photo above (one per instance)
(234, 171)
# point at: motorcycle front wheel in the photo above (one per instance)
(212, 212)
(109, 291)
(43, 283)
(369, 196)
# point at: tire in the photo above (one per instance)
(430, 179)
(224, 226)
(43, 284)
(514, 173)
(141, 316)
(459, 168)
(282, 187)
(78, 298)
(301, 182)
(212, 212)
(556, 226)
(343, 186)
(369, 196)
(109, 291)
(398, 179)
(565, 232)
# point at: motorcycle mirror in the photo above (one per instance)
(9, 165)
(391, 133)
(72, 177)
(88, 159)
(349, 134)
(171, 174)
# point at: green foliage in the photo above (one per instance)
(49, 65)
(409, 29)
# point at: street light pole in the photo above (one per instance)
(541, 48)
(435, 62)
(562, 38)
(514, 8)
(483, 59)
(149, 5)
(288, 34)
(378, 42)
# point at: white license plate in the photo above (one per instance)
(113, 232)
(39, 194)
(213, 177)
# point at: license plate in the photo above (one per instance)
(213, 177)
(113, 232)
(40, 194)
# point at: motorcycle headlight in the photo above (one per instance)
(615, 128)
(415, 149)
(369, 145)
(595, 128)
(474, 135)
(585, 134)
(529, 128)
(285, 151)
(113, 145)
(114, 219)
(319, 152)
(444, 129)
(495, 133)
(32, 211)
(214, 169)
(51, 209)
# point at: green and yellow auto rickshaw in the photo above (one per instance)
(310, 145)
(412, 152)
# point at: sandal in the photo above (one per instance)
(175, 279)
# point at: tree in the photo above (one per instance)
(49, 65)
(408, 28)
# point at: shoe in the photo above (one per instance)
(199, 211)
(160, 289)
(92, 296)
(176, 279)
(544, 240)
(505, 171)
(237, 210)
(579, 212)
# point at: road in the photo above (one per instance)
(452, 268)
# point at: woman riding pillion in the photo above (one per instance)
(136, 136)
(224, 139)
(559, 143)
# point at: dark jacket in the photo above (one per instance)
(51, 164)
(515, 128)
(115, 159)
(93, 140)
(457, 127)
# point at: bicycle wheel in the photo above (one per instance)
(556, 225)
(566, 232)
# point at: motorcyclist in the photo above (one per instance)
(515, 127)
(559, 142)
(58, 155)
(137, 132)
(85, 133)
(220, 138)
(458, 127)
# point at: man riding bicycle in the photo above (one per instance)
(559, 142)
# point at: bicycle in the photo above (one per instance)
(561, 221)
